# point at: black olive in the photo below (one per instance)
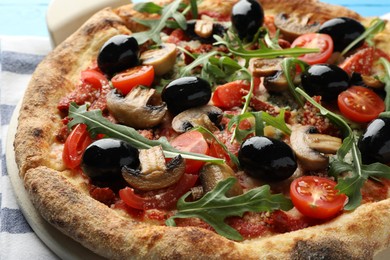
(326, 80)
(118, 53)
(185, 93)
(218, 29)
(374, 144)
(247, 17)
(103, 159)
(267, 158)
(343, 31)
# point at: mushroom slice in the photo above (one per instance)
(264, 67)
(154, 173)
(162, 58)
(135, 109)
(207, 116)
(278, 82)
(212, 173)
(294, 25)
(204, 28)
(309, 147)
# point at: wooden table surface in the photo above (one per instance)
(27, 17)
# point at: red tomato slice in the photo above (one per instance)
(75, 145)
(230, 94)
(126, 80)
(94, 78)
(360, 62)
(315, 40)
(194, 142)
(316, 197)
(360, 104)
(164, 200)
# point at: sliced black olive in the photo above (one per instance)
(374, 144)
(267, 158)
(326, 80)
(118, 53)
(343, 31)
(247, 17)
(103, 159)
(185, 93)
(196, 35)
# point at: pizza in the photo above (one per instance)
(214, 129)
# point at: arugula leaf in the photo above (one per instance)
(386, 80)
(148, 7)
(235, 47)
(376, 26)
(97, 124)
(349, 184)
(169, 11)
(240, 134)
(200, 60)
(214, 206)
(277, 122)
(288, 66)
(194, 9)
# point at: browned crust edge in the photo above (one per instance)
(357, 235)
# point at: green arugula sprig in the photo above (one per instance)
(386, 80)
(376, 26)
(350, 176)
(261, 118)
(214, 207)
(236, 47)
(97, 124)
(288, 66)
(167, 12)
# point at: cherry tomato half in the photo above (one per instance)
(230, 94)
(126, 80)
(360, 104)
(315, 40)
(164, 200)
(316, 197)
(93, 77)
(194, 142)
(75, 145)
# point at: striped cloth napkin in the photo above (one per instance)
(19, 56)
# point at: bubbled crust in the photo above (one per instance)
(356, 235)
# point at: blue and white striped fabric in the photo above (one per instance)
(19, 56)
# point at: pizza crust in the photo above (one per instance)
(104, 231)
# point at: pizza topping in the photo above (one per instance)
(74, 146)
(211, 174)
(214, 207)
(278, 82)
(162, 58)
(126, 80)
(103, 159)
(136, 109)
(292, 25)
(207, 116)
(326, 80)
(264, 67)
(315, 40)
(154, 173)
(203, 30)
(267, 159)
(360, 104)
(343, 31)
(374, 144)
(118, 53)
(186, 92)
(311, 148)
(247, 17)
(316, 197)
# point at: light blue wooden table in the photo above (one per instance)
(27, 17)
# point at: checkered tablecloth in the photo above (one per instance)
(19, 56)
